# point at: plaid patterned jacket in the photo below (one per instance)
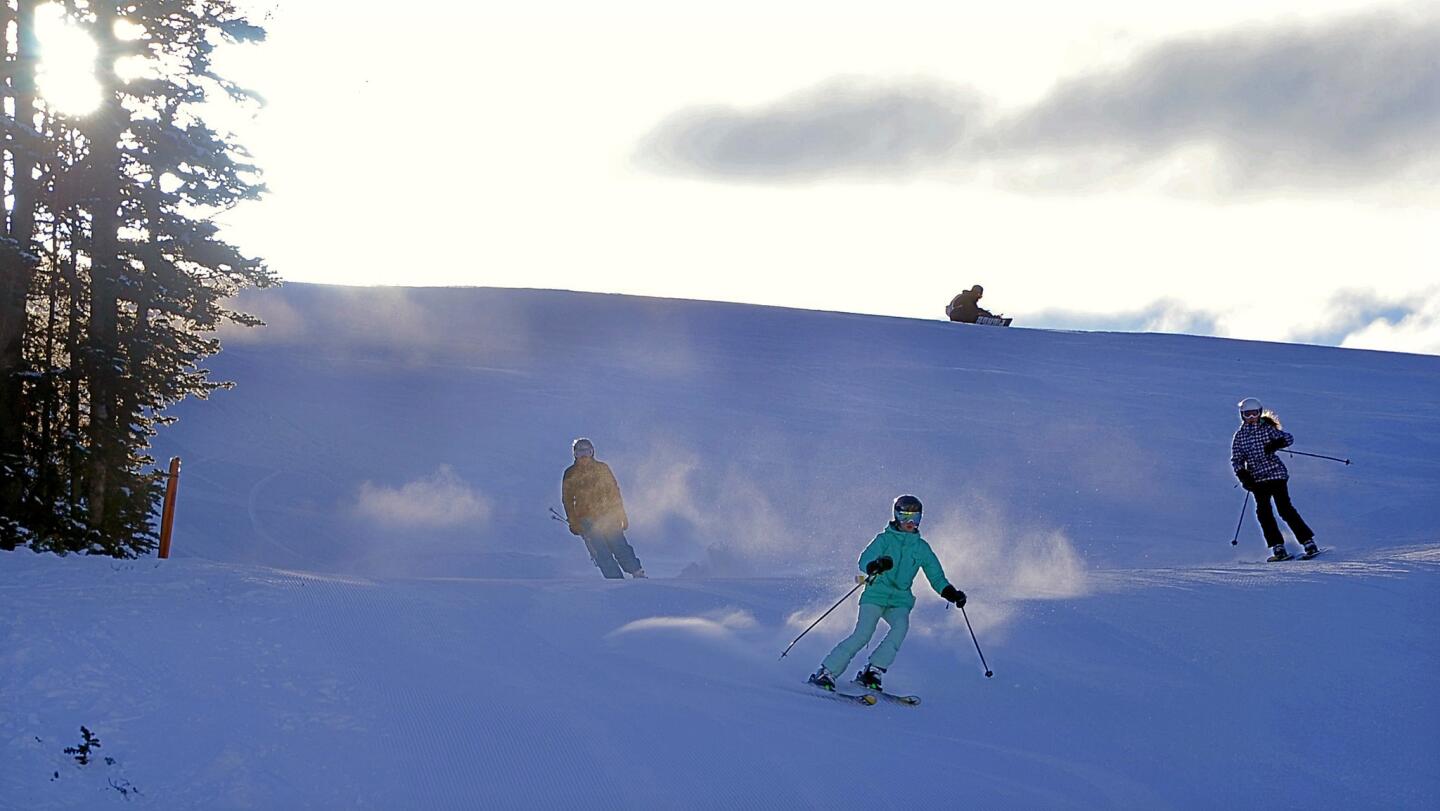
(1247, 452)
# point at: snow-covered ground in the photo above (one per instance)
(368, 606)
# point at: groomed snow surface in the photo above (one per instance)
(368, 607)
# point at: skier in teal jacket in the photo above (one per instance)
(890, 563)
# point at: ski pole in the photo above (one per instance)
(988, 671)
(555, 516)
(1316, 455)
(860, 580)
(1246, 503)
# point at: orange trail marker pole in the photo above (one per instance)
(167, 518)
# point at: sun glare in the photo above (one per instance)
(65, 76)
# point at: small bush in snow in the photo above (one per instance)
(87, 743)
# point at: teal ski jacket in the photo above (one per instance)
(910, 553)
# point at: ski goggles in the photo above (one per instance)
(907, 518)
(1251, 413)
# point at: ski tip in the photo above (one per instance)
(868, 700)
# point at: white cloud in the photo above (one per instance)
(1418, 331)
(1347, 104)
(852, 125)
(441, 500)
(1344, 104)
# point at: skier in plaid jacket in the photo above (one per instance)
(1252, 456)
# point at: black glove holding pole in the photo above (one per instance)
(954, 595)
(1247, 481)
(879, 565)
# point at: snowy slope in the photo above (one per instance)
(721, 420)
(368, 607)
(230, 686)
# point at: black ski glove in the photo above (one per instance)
(954, 595)
(1247, 481)
(878, 565)
(1274, 445)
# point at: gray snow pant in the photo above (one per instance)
(611, 552)
(897, 617)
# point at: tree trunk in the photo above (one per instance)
(107, 449)
(46, 403)
(74, 380)
(17, 267)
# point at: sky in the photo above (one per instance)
(367, 605)
(1263, 170)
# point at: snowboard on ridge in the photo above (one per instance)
(994, 320)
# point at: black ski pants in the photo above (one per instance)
(1278, 489)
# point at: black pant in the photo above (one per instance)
(1280, 491)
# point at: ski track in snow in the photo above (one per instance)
(471, 692)
(1373, 563)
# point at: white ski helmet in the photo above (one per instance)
(1250, 404)
(582, 447)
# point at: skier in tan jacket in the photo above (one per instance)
(595, 512)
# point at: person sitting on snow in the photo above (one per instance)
(966, 306)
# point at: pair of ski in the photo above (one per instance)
(868, 698)
(1301, 556)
